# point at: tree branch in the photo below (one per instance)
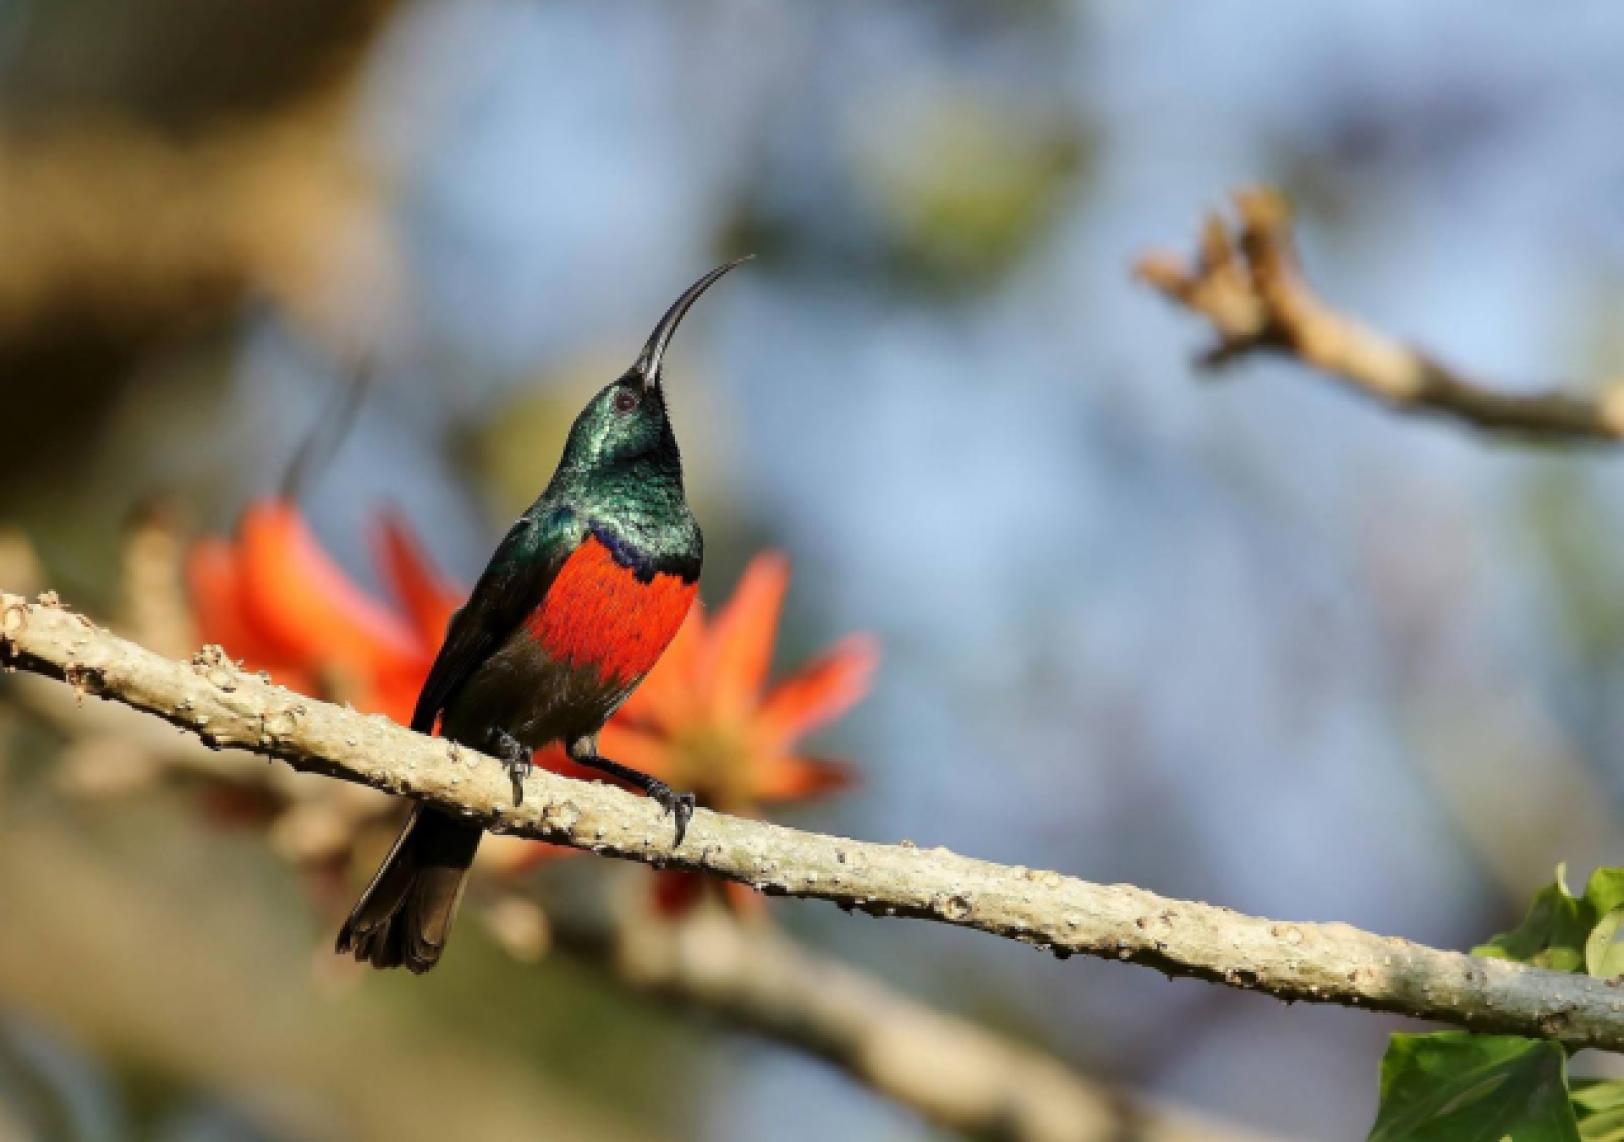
(1321, 963)
(958, 1075)
(1249, 287)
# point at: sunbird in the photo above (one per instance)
(576, 605)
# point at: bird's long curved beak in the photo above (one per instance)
(648, 361)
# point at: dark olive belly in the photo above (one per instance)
(534, 697)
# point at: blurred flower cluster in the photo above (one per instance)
(706, 719)
(274, 599)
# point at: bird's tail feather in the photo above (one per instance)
(404, 916)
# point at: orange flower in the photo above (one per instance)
(273, 598)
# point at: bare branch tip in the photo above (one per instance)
(1163, 271)
(1263, 300)
(1263, 208)
(1217, 248)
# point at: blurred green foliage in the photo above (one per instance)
(1561, 507)
(963, 186)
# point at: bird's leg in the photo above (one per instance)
(584, 751)
(516, 757)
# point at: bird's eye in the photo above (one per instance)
(626, 400)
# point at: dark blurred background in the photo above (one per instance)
(1253, 642)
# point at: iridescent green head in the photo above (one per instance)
(627, 420)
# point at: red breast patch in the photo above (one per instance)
(598, 614)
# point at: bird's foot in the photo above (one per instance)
(583, 751)
(517, 758)
(677, 805)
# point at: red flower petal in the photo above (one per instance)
(393, 695)
(211, 580)
(742, 899)
(819, 692)
(215, 590)
(741, 649)
(645, 751)
(428, 597)
(676, 893)
(788, 778)
(295, 595)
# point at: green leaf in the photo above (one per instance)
(1605, 892)
(1597, 1094)
(1604, 955)
(1606, 1126)
(1600, 1109)
(1605, 895)
(1553, 933)
(1458, 1087)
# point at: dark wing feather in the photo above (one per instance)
(513, 584)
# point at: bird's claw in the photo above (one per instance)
(677, 805)
(517, 770)
(518, 759)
